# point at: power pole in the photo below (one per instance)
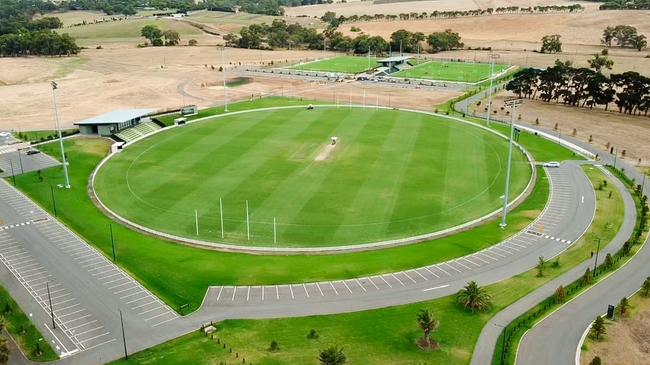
(55, 86)
(513, 104)
(493, 56)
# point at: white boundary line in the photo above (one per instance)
(228, 247)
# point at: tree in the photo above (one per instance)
(474, 298)
(274, 347)
(332, 355)
(560, 294)
(598, 327)
(192, 42)
(152, 33)
(4, 351)
(645, 287)
(551, 44)
(639, 42)
(608, 36)
(598, 63)
(428, 324)
(586, 278)
(444, 41)
(596, 361)
(609, 261)
(623, 306)
(172, 38)
(540, 266)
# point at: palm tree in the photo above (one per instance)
(428, 324)
(474, 298)
(646, 287)
(332, 355)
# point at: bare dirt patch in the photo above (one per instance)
(622, 131)
(627, 340)
(165, 77)
(326, 152)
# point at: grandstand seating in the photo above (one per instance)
(140, 130)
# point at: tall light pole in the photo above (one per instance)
(513, 104)
(225, 90)
(58, 128)
(493, 56)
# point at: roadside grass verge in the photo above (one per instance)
(382, 336)
(189, 271)
(21, 329)
(609, 218)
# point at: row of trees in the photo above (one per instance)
(279, 34)
(624, 36)
(585, 87)
(37, 43)
(625, 4)
(331, 18)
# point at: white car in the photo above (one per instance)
(552, 164)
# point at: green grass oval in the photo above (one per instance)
(392, 174)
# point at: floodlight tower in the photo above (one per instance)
(513, 104)
(493, 56)
(225, 89)
(55, 86)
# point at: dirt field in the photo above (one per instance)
(367, 7)
(122, 77)
(627, 341)
(624, 132)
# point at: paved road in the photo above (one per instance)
(567, 216)
(489, 335)
(85, 289)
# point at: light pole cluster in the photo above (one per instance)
(55, 86)
(493, 56)
(513, 104)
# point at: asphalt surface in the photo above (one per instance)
(564, 220)
(562, 335)
(484, 348)
(88, 291)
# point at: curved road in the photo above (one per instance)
(88, 290)
(556, 339)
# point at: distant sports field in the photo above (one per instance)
(450, 71)
(391, 174)
(342, 64)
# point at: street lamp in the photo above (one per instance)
(493, 56)
(55, 86)
(225, 90)
(596, 259)
(513, 104)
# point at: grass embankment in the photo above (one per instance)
(342, 64)
(383, 336)
(21, 329)
(609, 217)
(196, 269)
